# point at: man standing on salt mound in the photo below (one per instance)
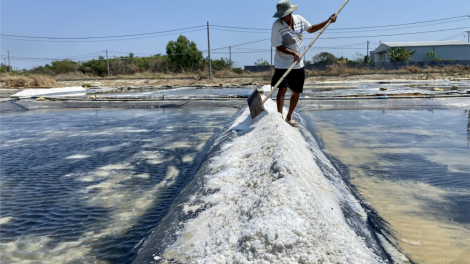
(287, 38)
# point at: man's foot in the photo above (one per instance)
(292, 123)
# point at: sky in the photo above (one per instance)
(99, 18)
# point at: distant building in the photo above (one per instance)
(454, 49)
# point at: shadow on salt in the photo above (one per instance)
(266, 192)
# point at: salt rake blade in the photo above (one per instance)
(255, 103)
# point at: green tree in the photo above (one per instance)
(64, 66)
(3, 68)
(46, 69)
(261, 62)
(183, 54)
(95, 67)
(324, 58)
(399, 54)
(431, 55)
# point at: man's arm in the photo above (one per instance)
(285, 50)
(315, 28)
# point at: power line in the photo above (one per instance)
(104, 40)
(421, 22)
(410, 33)
(358, 31)
(453, 36)
(412, 23)
(334, 31)
(119, 36)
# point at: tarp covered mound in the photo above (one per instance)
(262, 198)
(51, 91)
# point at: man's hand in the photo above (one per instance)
(290, 52)
(315, 28)
(297, 57)
(332, 18)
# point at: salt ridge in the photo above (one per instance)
(265, 200)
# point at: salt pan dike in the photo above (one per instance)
(266, 194)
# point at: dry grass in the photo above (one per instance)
(341, 69)
(226, 73)
(412, 68)
(32, 81)
(72, 75)
(453, 68)
(332, 73)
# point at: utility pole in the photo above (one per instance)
(209, 50)
(107, 61)
(367, 54)
(468, 36)
(9, 66)
(230, 52)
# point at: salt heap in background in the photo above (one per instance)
(265, 200)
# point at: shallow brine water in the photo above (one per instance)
(184, 92)
(85, 186)
(412, 169)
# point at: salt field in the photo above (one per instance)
(193, 179)
(411, 168)
(85, 186)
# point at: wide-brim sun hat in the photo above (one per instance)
(284, 8)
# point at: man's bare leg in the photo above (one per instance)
(293, 103)
(280, 99)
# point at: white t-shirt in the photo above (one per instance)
(283, 35)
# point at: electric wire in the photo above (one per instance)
(419, 22)
(400, 34)
(104, 40)
(119, 36)
(330, 30)
(453, 36)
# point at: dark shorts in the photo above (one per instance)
(294, 80)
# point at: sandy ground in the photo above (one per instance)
(227, 82)
(254, 79)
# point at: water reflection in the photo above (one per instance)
(411, 167)
(468, 127)
(86, 186)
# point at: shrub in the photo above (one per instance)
(399, 54)
(441, 59)
(237, 70)
(98, 67)
(431, 55)
(46, 69)
(64, 66)
(159, 64)
(324, 58)
(221, 64)
(340, 68)
(453, 68)
(132, 68)
(261, 62)
(412, 68)
(15, 73)
(84, 85)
